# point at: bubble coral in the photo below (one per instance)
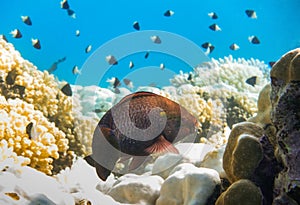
(41, 146)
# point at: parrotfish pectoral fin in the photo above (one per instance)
(102, 172)
(161, 146)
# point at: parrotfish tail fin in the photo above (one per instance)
(136, 162)
(89, 159)
(161, 146)
(102, 172)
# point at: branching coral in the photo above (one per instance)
(9, 158)
(20, 79)
(41, 144)
(222, 84)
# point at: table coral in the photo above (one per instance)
(42, 147)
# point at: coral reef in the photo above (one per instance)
(61, 130)
(136, 189)
(243, 151)
(164, 164)
(285, 96)
(25, 185)
(269, 159)
(229, 73)
(8, 158)
(20, 79)
(188, 184)
(41, 146)
(222, 83)
(242, 191)
(214, 160)
(263, 115)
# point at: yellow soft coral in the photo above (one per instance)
(41, 146)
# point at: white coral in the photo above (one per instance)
(188, 184)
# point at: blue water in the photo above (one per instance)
(100, 22)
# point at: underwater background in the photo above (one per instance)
(276, 26)
(223, 75)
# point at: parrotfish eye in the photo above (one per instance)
(163, 114)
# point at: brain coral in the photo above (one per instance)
(21, 79)
(41, 146)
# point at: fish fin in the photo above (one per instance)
(136, 162)
(161, 146)
(102, 172)
(124, 158)
(89, 159)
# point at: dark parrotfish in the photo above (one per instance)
(141, 124)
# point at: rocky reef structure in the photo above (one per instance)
(235, 160)
(266, 150)
(285, 98)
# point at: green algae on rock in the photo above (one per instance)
(243, 151)
(241, 192)
(285, 115)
